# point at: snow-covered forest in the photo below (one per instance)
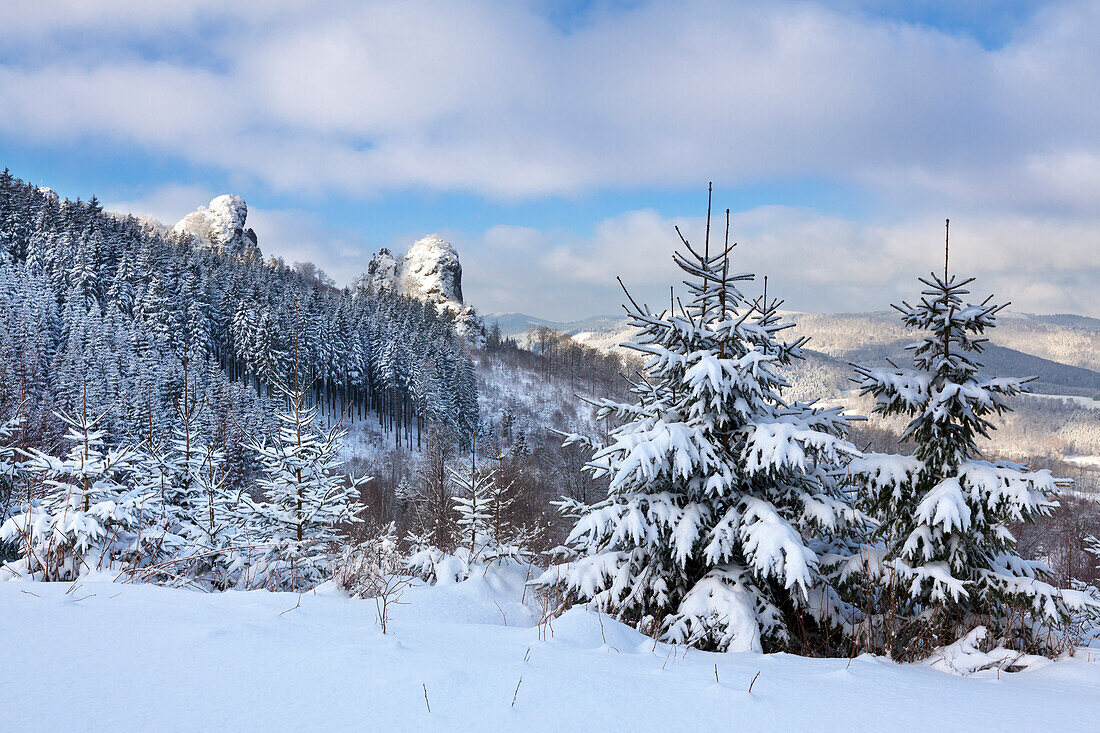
(103, 314)
(178, 411)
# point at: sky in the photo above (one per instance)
(558, 144)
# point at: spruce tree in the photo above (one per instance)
(716, 483)
(472, 504)
(945, 557)
(11, 463)
(89, 519)
(202, 517)
(305, 498)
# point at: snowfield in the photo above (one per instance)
(106, 656)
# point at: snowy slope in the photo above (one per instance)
(127, 657)
(599, 332)
(535, 403)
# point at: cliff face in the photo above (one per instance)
(429, 271)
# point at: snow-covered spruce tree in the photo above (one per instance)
(170, 470)
(716, 483)
(506, 497)
(472, 504)
(11, 465)
(945, 560)
(433, 501)
(465, 492)
(305, 498)
(202, 516)
(1084, 623)
(218, 520)
(89, 519)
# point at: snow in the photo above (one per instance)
(383, 271)
(774, 547)
(885, 470)
(431, 271)
(944, 505)
(1092, 462)
(218, 225)
(1086, 402)
(722, 599)
(965, 657)
(139, 657)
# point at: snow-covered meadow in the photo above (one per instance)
(110, 656)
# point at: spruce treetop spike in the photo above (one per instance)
(946, 247)
(706, 243)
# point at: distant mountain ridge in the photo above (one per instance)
(1062, 350)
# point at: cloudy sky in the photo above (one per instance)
(557, 144)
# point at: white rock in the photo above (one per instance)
(431, 271)
(383, 272)
(219, 225)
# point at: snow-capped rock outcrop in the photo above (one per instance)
(431, 271)
(383, 272)
(219, 226)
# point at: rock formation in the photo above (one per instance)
(219, 226)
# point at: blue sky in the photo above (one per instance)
(557, 144)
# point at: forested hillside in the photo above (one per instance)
(105, 315)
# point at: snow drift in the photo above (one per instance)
(140, 657)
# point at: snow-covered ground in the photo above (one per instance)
(535, 402)
(1086, 402)
(103, 656)
(1092, 462)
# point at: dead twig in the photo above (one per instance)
(296, 605)
(516, 693)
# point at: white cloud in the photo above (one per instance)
(493, 98)
(167, 204)
(814, 262)
(298, 236)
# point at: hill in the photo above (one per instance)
(1062, 351)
